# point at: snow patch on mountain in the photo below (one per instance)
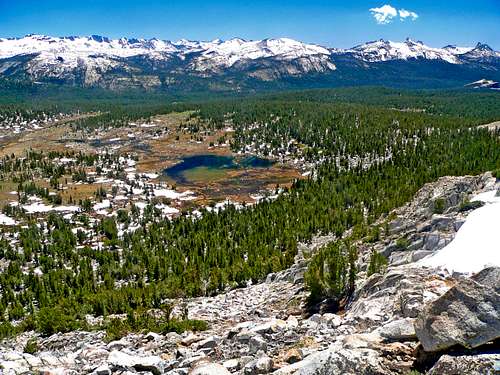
(82, 46)
(385, 50)
(115, 63)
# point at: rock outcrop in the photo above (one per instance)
(467, 315)
(466, 364)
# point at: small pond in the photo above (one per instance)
(209, 167)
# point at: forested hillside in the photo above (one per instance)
(370, 150)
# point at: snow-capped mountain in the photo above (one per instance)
(384, 50)
(115, 63)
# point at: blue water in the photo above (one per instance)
(214, 162)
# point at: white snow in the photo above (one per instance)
(167, 210)
(172, 194)
(39, 207)
(230, 51)
(5, 220)
(81, 46)
(99, 54)
(385, 50)
(476, 244)
(102, 205)
(67, 208)
(36, 207)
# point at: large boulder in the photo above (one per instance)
(122, 360)
(467, 315)
(337, 360)
(466, 364)
(401, 292)
(398, 330)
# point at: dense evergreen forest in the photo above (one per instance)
(371, 149)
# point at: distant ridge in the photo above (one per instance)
(236, 64)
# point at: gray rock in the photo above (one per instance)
(209, 343)
(432, 241)
(210, 369)
(32, 360)
(256, 344)
(399, 258)
(467, 364)
(14, 367)
(439, 222)
(398, 330)
(458, 224)
(244, 336)
(468, 314)
(420, 254)
(49, 359)
(153, 364)
(331, 320)
(262, 365)
(316, 318)
(336, 360)
(102, 370)
(272, 326)
(489, 276)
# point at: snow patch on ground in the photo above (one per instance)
(5, 220)
(476, 245)
(172, 194)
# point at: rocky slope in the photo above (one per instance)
(98, 61)
(408, 317)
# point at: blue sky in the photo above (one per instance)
(327, 22)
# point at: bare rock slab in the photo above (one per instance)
(467, 315)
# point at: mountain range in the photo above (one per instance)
(238, 64)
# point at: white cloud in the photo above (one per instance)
(403, 13)
(386, 14)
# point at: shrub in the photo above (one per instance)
(331, 273)
(6, 330)
(116, 329)
(31, 347)
(378, 263)
(439, 206)
(50, 320)
(402, 243)
(468, 205)
(144, 322)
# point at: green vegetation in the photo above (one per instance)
(439, 206)
(144, 322)
(377, 263)
(31, 347)
(468, 205)
(402, 243)
(370, 157)
(332, 273)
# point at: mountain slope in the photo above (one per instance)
(239, 64)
